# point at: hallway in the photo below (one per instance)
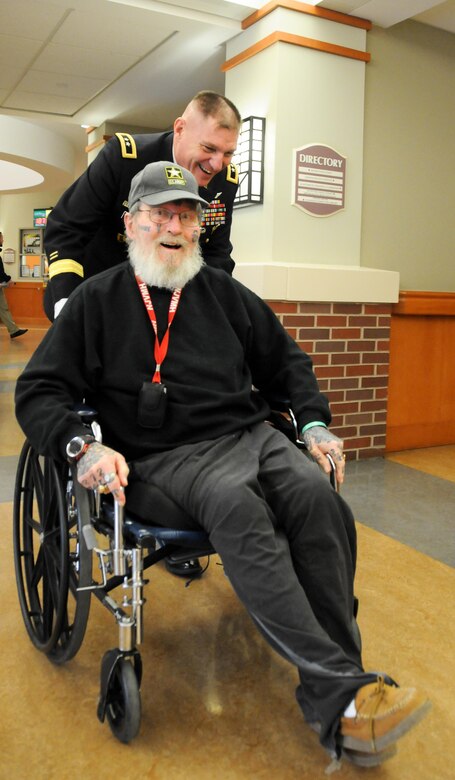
(217, 703)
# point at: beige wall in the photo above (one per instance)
(408, 219)
(307, 96)
(405, 211)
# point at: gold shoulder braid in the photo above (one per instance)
(65, 266)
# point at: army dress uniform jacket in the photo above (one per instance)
(85, 230)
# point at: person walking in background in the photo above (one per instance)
(5, 314)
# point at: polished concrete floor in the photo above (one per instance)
(217, 702)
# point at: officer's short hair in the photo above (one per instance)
(212, 104)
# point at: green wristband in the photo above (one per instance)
(312, 425)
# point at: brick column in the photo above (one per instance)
(349, 346)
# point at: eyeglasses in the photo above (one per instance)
(162, 216)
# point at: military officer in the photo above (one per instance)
(85, 234)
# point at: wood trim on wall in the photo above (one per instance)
(428, 303)
(304, 8)
(296, 40)
(421, 412)
(25, 302)
(101, 142)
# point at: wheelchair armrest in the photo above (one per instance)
(87, 413)
(277, 403)
(88, 416)
(282, 418)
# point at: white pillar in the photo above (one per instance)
(303, 69)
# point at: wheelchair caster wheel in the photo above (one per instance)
(123, 709)
(123, 701)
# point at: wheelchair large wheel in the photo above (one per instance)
(50, 556)
(123, 709)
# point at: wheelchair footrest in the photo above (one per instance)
(181, 554)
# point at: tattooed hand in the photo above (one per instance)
(103, 468)
(319, 442)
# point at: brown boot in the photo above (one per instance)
(384, 713)
(358, 757)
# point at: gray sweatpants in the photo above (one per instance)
(288, 543)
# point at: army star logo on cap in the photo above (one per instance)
(174, 175)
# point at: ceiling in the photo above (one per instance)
(67, 63)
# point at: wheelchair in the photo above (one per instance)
(57, 525)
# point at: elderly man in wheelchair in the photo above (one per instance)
(168, 351)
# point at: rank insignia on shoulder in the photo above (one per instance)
(232, 173)
(127, 145)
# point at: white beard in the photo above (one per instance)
(156, 273)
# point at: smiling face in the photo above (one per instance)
(202, 145)
(163, 255)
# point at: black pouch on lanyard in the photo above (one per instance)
(152, 405)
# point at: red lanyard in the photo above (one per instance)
(160, 349)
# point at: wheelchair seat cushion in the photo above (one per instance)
(151, 515)
(154, 507)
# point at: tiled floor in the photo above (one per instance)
(217, 702)
(412, 503)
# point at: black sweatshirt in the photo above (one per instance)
(4, 277)
(223, 340)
